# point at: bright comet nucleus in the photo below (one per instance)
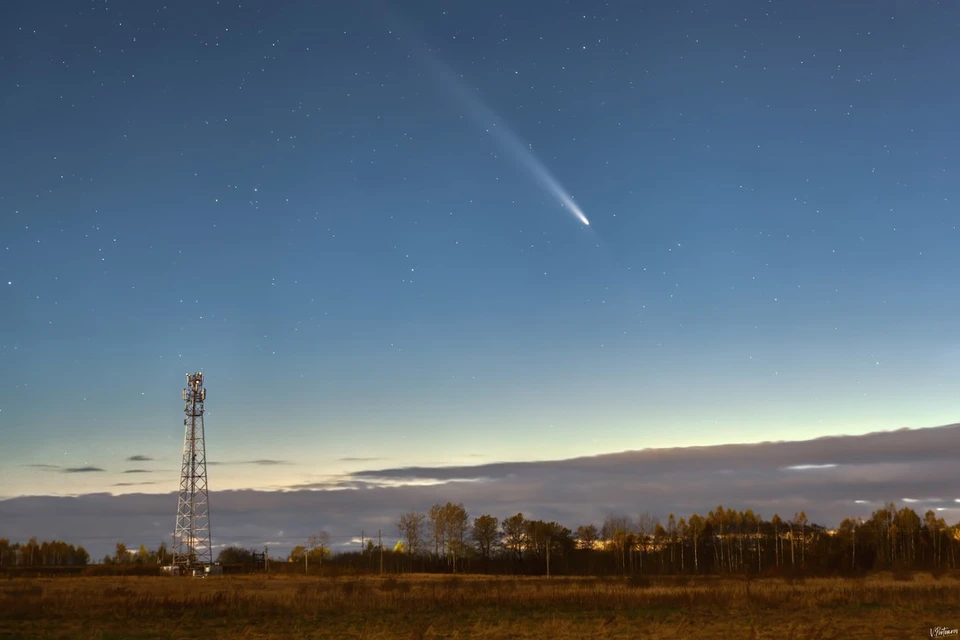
(576, 210)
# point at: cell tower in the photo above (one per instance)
(191, 538)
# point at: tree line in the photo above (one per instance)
(725, 540)
(41, 554)
(446, 538)
(57, 553)
(142, 556)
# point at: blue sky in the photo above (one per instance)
(293, 200)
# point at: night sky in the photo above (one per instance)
(338, 212)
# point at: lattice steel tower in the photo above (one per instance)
(191, 538)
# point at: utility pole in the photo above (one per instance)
(380, 544)
(306, 561)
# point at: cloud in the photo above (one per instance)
(139, 458)
(59, 469)
(138, 471)
(132, 484)
(261, 462)
(358, 459)
(772, 477)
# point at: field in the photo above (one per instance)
(421, 606)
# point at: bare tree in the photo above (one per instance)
(849, 527)
(802, 520)
(515, 535)
(672, 535)
(587, 536)
(486, 535)
(319, 546)
(792, 539)
(682, 530)
(751, 521)
(696, 525)
(411, 528)
(437, 529)
(646, 526)
(616, 531)
(776, 522)
(456, 524)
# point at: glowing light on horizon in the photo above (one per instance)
(808, 467)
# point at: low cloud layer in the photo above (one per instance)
(139, 458)
(261, 462)
(59, 469)
(830, 478)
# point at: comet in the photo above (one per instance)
(522, 154)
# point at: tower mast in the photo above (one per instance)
(191, 538)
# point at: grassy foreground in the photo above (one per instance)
(422, 606)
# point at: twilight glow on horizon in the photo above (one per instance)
(369, 229)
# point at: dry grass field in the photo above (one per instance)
(422, 606)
